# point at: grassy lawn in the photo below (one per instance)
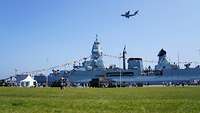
(99, 100)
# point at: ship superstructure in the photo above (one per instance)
(90, 68)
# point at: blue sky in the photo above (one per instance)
(41, 33)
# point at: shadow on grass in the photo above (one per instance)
(17, 103)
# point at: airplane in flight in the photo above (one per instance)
(128, 15)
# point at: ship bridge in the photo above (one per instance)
(96, 59)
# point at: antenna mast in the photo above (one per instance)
(124, 58)
(178, 59)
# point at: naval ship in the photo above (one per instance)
(92, 72)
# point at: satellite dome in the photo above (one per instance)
(162, 53)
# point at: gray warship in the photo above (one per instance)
(93, 71)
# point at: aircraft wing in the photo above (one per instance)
(127, 13)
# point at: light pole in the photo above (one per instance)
(47, 80)
(120, 77)
(47, 61)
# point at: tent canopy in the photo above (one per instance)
(28, 78)
(28, 82)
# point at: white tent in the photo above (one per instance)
(28, 82)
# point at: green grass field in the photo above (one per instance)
(100, 100)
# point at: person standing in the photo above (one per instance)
(62, 83)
